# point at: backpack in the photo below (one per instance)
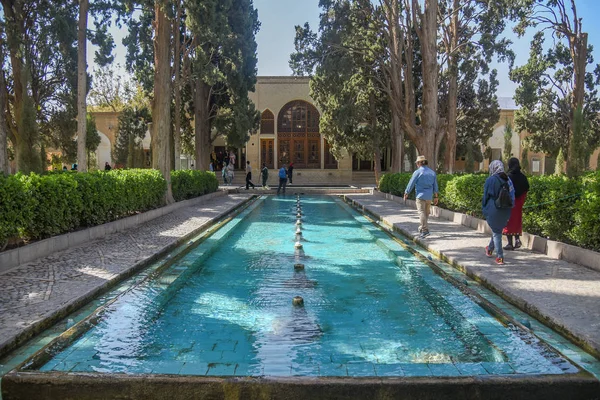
(282, 173)
(504, 200)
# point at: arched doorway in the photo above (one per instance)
(267, 146)
(298, 137)
(104, 151)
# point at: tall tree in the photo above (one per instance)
(345, 64)
(132, 128)
(3, 127)
(224, 71)
(161, 103)
(82, 85)
(555, 83)
(470, 31)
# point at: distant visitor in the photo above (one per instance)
(424, 181)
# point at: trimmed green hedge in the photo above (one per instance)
(39, 206)
(187, 184)
(586, 230)
(563, 209)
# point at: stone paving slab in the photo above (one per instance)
(566, 295)
(32, 292)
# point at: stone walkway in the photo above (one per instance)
(567, 295)
(34, 291)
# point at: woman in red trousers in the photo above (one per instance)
(514, 227)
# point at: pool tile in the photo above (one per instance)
(194, 368)
(389, 370)
(360, 369)
(444, 370)
(333, 370)
(500, 368)
(305, 369)
(471, 369)
(222, 345)
(411, 369)
(221, 369)
(277, 369)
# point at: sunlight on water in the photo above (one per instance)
(370, 308)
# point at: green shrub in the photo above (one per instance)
(384, 183)
(443, 180)
(189, 183)
(16, 206)
(56, 204)
(586, 229)
(550, 206)
(464, 193)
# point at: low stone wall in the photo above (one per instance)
(43, 248)
(30, 385)
(553, 249)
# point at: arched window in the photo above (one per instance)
(298, 135)
(267, 122)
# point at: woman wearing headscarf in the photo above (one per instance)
(496, 217)
(514, 227)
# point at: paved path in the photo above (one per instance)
(566, 294)
(32, 292)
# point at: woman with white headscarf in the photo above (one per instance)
(496, 217)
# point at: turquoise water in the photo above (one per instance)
(370, 309)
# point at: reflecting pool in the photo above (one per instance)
(371, 308)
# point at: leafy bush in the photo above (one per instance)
(39, 206)
(550, 206)
(443, 180)
(187, 184)
(56, 203)
(15, 206)
(586, 230)
(464, 193)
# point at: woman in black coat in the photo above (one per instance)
(514, 227)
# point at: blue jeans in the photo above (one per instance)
(496, 243)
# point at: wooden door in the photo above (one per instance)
(267, 147)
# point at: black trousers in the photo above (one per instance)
(282, 183)
(249, 180)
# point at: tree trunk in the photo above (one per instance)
(578, 47)
(3, 126)
(177, 86)
(452, 89)
(24, 135)
(397, 143)
(161, 106)
(201, 125)
(376, 139)
(81, 86)
(429, 113)
(395, 82)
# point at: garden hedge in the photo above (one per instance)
(39, 206)
(557, 207)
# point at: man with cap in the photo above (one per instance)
(424, 181)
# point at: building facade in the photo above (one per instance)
(289, 133)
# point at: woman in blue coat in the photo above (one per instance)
(496, 217)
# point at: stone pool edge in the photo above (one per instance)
(27, 385)
(50, 319)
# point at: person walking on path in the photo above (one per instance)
(290, 172)
(495, 212)
(225, 175)
(249, 176)
(282, 179)
(514, 227)
(424, 181)
(265, 175)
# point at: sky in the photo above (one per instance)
(279, 17)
